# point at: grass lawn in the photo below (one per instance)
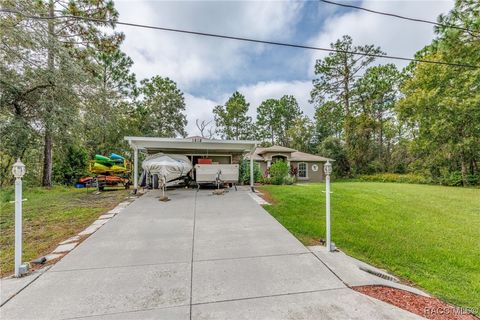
(49, 217)
(429, 235)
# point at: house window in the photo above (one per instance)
(302, 170)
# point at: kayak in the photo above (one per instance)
(117, 168)
(100, 167)
(85, 179)
(112, 179)
(115, 157)
(115, 163)
(101, 158)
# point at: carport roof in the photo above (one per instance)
(190, 144)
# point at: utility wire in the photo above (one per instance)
(399, 16)
(222, 36)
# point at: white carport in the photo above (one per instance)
(189, 146)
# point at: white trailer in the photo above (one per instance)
(216, 173)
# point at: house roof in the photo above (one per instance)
(276, 149)
(302, 156)
(194, 143)
(294, 154)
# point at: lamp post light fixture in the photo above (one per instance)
(327, 168)
(18, 170)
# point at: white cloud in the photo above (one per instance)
(193, 60)
(190, 59)
(395, 37)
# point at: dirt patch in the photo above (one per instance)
(266, 196)
(314, 241)
(430, 308)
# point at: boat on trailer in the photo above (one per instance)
(167, 167)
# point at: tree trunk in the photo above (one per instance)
(346, 100)
(48, 139)
(380, 141)
(47, 159)
(464, 171)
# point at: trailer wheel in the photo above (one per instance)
(187, 181)
(155, 181)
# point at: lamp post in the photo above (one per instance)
(327, 168)
(18, 170)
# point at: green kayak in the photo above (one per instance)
(101, 158)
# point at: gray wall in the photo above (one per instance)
(313, 176)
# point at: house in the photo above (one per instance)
(195, 148)
(308, 167)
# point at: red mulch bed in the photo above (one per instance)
(430, 308)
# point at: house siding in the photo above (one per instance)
(263, 167)
(313, 176)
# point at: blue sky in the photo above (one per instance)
(209, 70)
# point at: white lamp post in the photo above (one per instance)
(327, 168)
(18, 171)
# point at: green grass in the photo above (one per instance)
(49, 217)
(429, 235)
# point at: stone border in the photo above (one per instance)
(68, 245)
(258, 199)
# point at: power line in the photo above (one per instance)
(399, 16)
(222, 36)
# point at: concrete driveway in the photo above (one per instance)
(198, 256)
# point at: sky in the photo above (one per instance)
(209, 70)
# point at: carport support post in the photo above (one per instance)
(135, 169)
(251, 169)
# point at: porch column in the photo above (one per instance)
(252, 177)
(135, 169)
(269, 164)
(251, 170)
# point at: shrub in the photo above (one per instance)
(454, 179)
(278, 171)
(266, 180)
(473, 179)
(395, 177)
(277, 180)
(72, 165)
(289, 180)
(244, 174)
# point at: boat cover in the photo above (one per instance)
(168, 166)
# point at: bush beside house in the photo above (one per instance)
(244, 174)
(279, 172)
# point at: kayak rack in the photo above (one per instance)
(110, 177)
